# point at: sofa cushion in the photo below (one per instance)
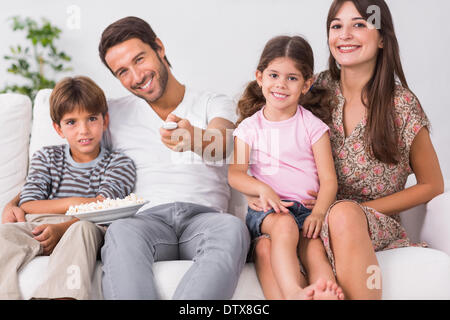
(408, 273)
(15, 123)
(42, 131)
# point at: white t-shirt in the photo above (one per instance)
(165, 176)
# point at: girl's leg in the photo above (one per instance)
(314, 259)
(318, 269)
(263, 266)
(353, 250)
(284, 235)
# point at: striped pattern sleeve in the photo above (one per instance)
(39, 179)
(119, 177)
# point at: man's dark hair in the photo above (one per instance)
(125, 29)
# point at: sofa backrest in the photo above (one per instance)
(15, 124)
(42, 131)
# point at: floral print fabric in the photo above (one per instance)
(361, 177)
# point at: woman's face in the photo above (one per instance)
(352, 40)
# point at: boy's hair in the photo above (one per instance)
(317, 100)
(77, 92)
(126, 29)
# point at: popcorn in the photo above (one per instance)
(108, 203)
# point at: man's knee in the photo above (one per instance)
(229, 234)
(236, 230)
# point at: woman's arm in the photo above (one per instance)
(430, 183)
(56, 206)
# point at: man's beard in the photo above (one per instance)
(162, 83)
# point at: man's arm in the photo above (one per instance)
(213, 143)
(217, 141)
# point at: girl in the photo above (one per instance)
(288, 150)
(379, 136)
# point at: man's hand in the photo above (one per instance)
(12, 213)
(49, 235)
(180, 139)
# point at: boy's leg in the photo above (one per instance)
(131, 246)
(72, 263)
(17, 248)
(218, 244)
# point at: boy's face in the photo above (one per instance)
(83, 131)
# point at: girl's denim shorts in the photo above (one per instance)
(254, 218)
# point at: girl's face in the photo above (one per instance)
(282, 84)
(352, 40)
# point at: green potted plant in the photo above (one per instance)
(31, 61)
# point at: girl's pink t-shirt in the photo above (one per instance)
(281, 152)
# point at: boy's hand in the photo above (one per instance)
(270, 200)
(13, 214)
(313, 225)
(49, 235)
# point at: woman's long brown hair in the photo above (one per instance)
(317, 100)
(378, 93)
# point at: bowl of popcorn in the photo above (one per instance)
(108, 210)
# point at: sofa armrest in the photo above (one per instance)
(436, 225)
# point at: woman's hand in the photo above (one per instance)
(311, 202)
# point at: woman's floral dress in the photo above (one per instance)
(361, 177)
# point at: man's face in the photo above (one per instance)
(139, 68)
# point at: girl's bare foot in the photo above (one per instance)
(327, 290)
(303, 294)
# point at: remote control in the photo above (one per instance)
(170, 125)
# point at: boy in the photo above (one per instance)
(81, 171)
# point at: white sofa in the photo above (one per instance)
(408, 273)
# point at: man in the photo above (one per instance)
(180, 171)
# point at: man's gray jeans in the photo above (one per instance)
(216, 242)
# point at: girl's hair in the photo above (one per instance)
(317, 100)
(378, 94)
(77, 92)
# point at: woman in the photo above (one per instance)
(379, 135)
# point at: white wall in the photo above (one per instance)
(215, 44)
